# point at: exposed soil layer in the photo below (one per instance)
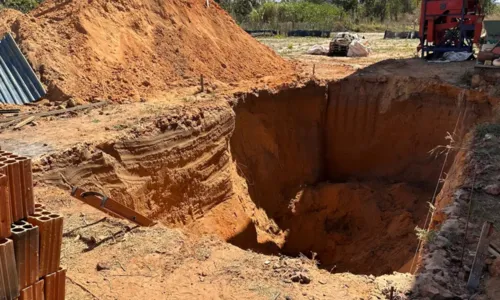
(341, 173)
(131, 49)
(348, 175)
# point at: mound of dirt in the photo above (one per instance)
(130, 49)
(7, 17)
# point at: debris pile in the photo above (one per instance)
(30, 237)
(135, 49)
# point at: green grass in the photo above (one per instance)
(425, 235)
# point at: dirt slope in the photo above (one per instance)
(130, 49)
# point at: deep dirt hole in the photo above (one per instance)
(342, 170)
(345, 171)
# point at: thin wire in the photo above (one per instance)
(435, 190)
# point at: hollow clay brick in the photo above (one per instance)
(14, 174)
(4, 153)
(34, 292)
(50, 229)
(6, 191)
(9, 285)
(5, 211)
(55, 285)
(26, 245)
(39, 207)
(39, 290)
(26, 177)
(27, 293)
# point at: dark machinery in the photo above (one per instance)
(489, 55)
(449, 25)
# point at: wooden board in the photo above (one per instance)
(110, 206)
(480, 258)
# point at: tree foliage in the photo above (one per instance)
(293, 12)
(323, 13)
(21, 5)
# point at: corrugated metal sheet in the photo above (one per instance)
(18, 82)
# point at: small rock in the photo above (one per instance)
(322, 282)
(44, 102)
(442, 242)
(267, 262)
(71, 103)
(441, 280)
(475, 81)
(102, 266)
(450, 226)
(301, 278)
(428, 290)
(493, 189)
(488, 136)
(288, 298)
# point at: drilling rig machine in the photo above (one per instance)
(449, 25)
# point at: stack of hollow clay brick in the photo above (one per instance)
(30, 237)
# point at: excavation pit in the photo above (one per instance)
(345, 176)
(339, 172)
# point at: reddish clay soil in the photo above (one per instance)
(136, 49)
(335, 175)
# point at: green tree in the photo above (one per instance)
(21, 5)
(347, 5)
(225, 4)
(395, 8)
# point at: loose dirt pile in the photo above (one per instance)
(130, 49)
(7, 17)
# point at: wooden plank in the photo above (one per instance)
(495, 247)
(110, 206)
(7, 124)
(480, 258)
(10, 111)
(493, 252)
(25, 121)
(56, 112)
